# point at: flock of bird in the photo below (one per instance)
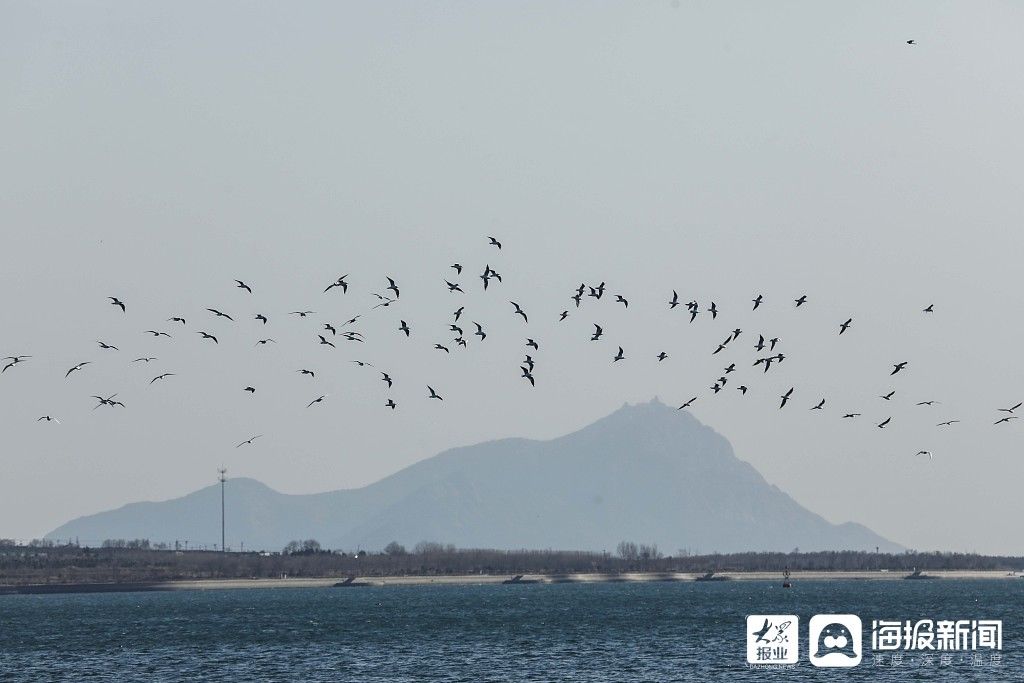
(765, 356)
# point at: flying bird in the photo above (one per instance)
(619, 356)
(309, 372)
(674, 301)
(845, 326)
(519, 311)
(883, 423)
(157, 334)
(144, 360)
(930, 308)
(316, 400)
(391, 404)
(1005, 419)
(598, 331)
(687, 404)
(1010, 410)
(911, 42)
(340, 282)
(301, 314)
(928, 453)
(532, 343)
(48, 419)
(801, 301)
(251, 390)
(457, 267)
(219, 314)
(563, 316)
(947, 423)
(114, 301)
(434, 394)
(263, 342)
(404, 327)
(619, 299)
(441, 347)
(242, 285)
(324, 341)
(661, 356)
(176, 320)
(820, 406)
(386, 378)
(330, 328)
(849, 415)
(458, 313)
(527, 375)
(757, 301)
(888, 396)
(493, 241)
(393, 287)
(104, 345)
(480, 331)
(166, 374)
(452, 287)
(208, 336)
(785, 398)
(713, 310)
(896, 367)
(262, 318)
(248, 441)
(77, 367)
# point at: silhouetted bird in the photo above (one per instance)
(248, 442)
(519, 311)
(452, 287)
(801, 301)
(785, 398)
(242, 285)
(757, 301)
(532, 343)
(597, 332)
(881, 425)
(619, 299)
(480, 331)
(114, 301)
(317, 400)
(674, 301)
(845, 326)
(262, 318)
(897, 367)
(619, 356)
(340, 282)
(219, 314)
(208, 336)
(77, 367)
(434, 394)
(493, 241)
(324, 342)
(404, 328)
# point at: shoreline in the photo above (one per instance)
(490, 579)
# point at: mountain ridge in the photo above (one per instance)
(645, 473)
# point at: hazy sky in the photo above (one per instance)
(157, 151)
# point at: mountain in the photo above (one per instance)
(646, 473)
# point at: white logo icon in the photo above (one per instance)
(773, 639)
(834, 640)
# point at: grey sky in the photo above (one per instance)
(157, 151)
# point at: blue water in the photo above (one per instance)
(562, 632)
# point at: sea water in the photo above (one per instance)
(682, 631)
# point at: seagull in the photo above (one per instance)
(529, 362)
(386, 378)
(911, 42)
(760, 343)
(598, 331)
(1006, 419)
(785, 397)
(265, 341)
(391, 404)
(897, 367)
(947, 423)
(457, 267)
(48, 419)
(888, 396)
(242, 285)
(757, 301)
(452, 287)
(219, 314)
(577, 298)
(773, 341)
(801, 301)
(713, 310)
(674, 301)
(301, 314)
(434, 394)
(157, 334)
(716, 387)
(619, 299)
(316, 400)
(845, 326)
(323, 341)
(114, 301)
(393, 287)
(455, 328)
(849, 415)
(480, 331)
(527, 375)
(519, 311)
(927, 403)
(532, 343)
(597, 292)
(109, 401)
(1010, 410)
(248, 441)
(821, 405)
(458, 313)
(340, 282)
(77, 367)
(104, 345)
(262, 318)
(404, 328)
(309, 372)
(486, 277)
(144, 360)
(494, 242)
(166, 374)
(928, 453)
(619, 356)
(330, 328)
(930, 308)
(661, 356)
(251, 390)
(563, 316)
(742, 389)
(687, 404)
(440, 347)
(176, 320)
(362, 363)
(209, 336)
(730, 368)
(881, 425)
